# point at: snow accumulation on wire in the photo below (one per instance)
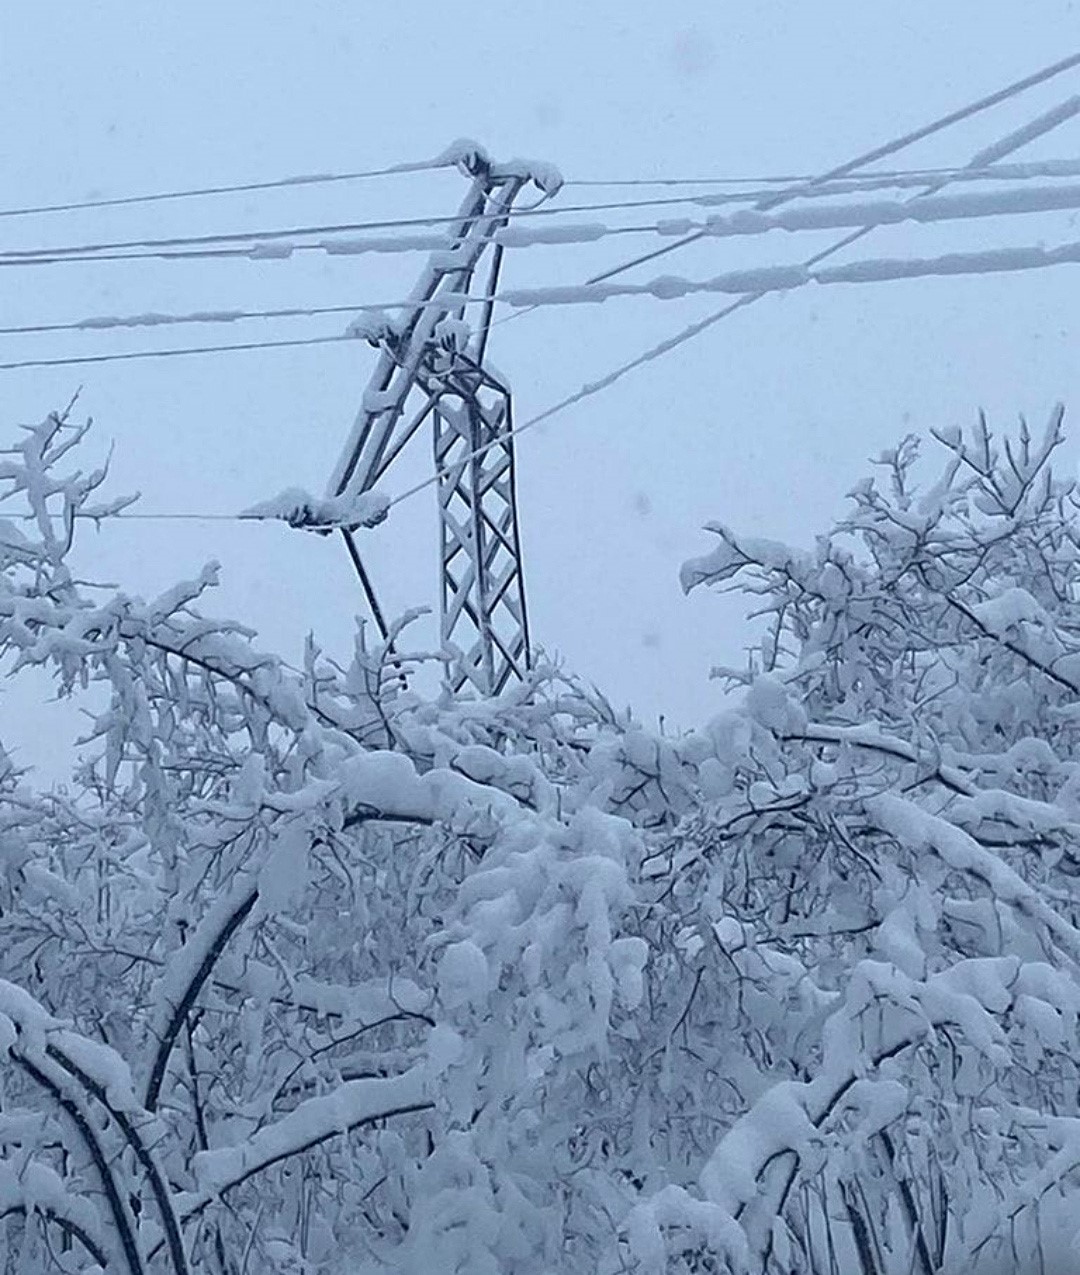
(967, 205)
(301, 509)
(768, 279)
(669, 287)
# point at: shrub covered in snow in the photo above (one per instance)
(303, 973)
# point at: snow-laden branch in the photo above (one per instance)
(187, 972)
(80, 1117)
(920, 830)
(372, 787)
(350, 1105)
(1063, 1163)
(105, 1077)
(875, 740)
(48, 1052)
(35, 1188)
(744, 1176)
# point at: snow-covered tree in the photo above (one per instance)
(304, 973)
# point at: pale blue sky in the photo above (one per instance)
(764, 422)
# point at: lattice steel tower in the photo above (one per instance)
(432, 364)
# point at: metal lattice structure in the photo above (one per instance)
(432, 365)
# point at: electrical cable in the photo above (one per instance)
(592, 388)
(893, 176)
(274, 248)
(93, 250)
(313, 179)
(319, 179)
(1001, 203)
(129, 355)
(751, 298)
(1041, 124)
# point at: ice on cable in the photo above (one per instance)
(301, 509)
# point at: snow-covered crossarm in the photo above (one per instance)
(300, 508)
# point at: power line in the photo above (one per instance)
(446, 160)
(128, 355)
(893, 176)
(925, 210)
(803, 188)
(323, 179)
(761, 281)
(152, 320)
(274, 245)
(748, 298)
(60, 252)
(1013, 141)
(751, 298)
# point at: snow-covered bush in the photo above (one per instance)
(303, 973)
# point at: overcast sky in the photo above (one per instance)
(764, 422)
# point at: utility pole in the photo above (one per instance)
(432, 364)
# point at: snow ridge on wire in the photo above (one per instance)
(271, 244)
(1011, 142)
(864, 216)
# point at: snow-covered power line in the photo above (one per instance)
(276, 246)
(454, 154)
(153, 319)
(760, 280)
(770, 279)
(967, 205)
(1004, 146)
(750, 284)
(887, 176)
(261, 242)
(1013, 141)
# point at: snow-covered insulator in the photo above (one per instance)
(452, 334)
(375, 327)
